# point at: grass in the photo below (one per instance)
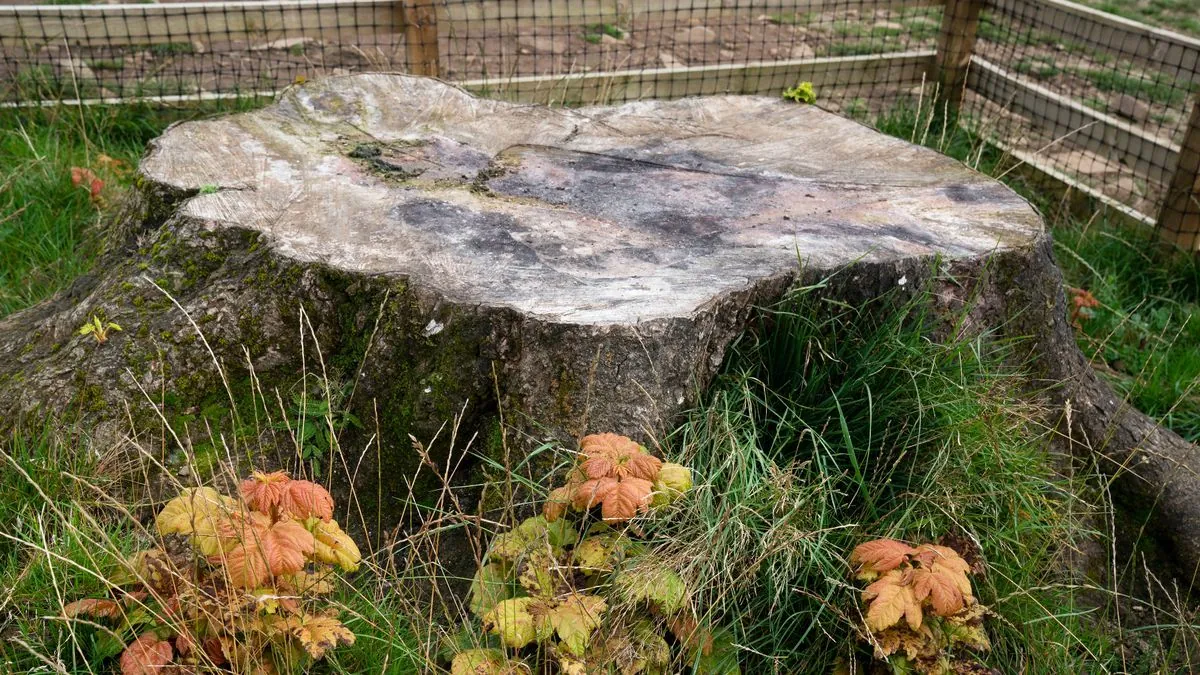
(1143, 337)
(840, 424)
(1154, 87)
(48, 227)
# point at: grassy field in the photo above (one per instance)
(797, 457)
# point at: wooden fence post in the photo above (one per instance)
(955, 44)
(1179, 220)
(421, 36)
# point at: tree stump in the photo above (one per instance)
(439, 255)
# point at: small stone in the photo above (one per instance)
(728, 54)
(803, 52)
(607, 39)
(669, 61)
(1131, 108)
(198, 47)
(696, 35)
(284, 43)
(77, 68)
(543, 45)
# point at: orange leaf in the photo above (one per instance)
(630, 496)
(146, 655)
(881, 555)
(617, 457)
(265, 492)
(557, 503)
(594, 492)
(277, 550)
(305, 499)
(101, 609)
(943, 592)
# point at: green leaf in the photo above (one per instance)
(534, 533)
(652, 581)
(490, 586)
(511, 620)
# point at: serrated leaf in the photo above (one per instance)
(305, 499)
(332, 545)
(557, 502)
(614, 456)
(653, 582)
(279, 549)
(490, 586)
(485, 662)
(673, 480)
(938, 584)
(535, 533)
(873, 558)
(890, 599)
(200, 513)
(97, 608)
(598, 553)
(512, 621)
(539, 575)
(265, 492)
(316, 633)
(146, 655)
(574, 617)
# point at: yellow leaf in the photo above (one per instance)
(317, 633)
(201, 513)
(557, 503)
(333, 546)
(598, 553)
(146, 655)
(673, 480)
(574, 617)
(653, 582)
(889, 599)
(310, 583)
(485, 662)
(511, 620)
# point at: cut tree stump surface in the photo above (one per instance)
(539, 272)
(597, 216)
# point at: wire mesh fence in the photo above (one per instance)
(1101, 103)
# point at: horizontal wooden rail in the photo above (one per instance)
(1173, 54)
(346, 19)
(766, 77)
(101, 25)
(506, 15)
(1112, 139)
(1077, 196)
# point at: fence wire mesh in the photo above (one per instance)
(1102, 103)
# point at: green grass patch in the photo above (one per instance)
(1152, 87)
(48, 226)
(835, 424)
